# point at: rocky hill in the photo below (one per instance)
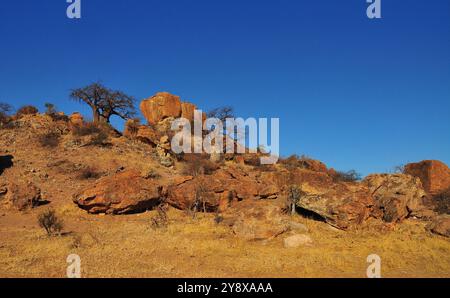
(65, 163)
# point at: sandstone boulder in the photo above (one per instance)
(161, 106)
(124, 192)
(76, 120)
(19, 195)
(435, 175)
(342, 205)
(218, 191)
(441, 225)
(298, 240)
(148, 135)
(254, 220)
(298, 176)
(187, 110)
(396, 196)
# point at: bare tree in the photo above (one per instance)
(105, 102)
(5, 110)
(221, 113)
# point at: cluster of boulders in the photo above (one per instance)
(256, 202)
(252, 201)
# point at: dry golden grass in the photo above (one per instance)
(127, 246)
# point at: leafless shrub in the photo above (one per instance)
(294, 194)
(350, 176)
(199, 203)
(160, 220)
(132, 126)
(196, 165)
(152, 174)
(295, 161)
(442, 202)
(99, 133)
(218, 218)
(49, 140)
(5, 110)
(87, 129)
(89, 173)
(400, 169)
(99, 139)
(50, 222)
(50, 108)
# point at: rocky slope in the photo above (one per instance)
(49, 161)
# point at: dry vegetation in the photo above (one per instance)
(129, 247)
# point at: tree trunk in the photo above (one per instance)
(95, 116)
(98, 118)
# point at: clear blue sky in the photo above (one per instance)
(355, 93)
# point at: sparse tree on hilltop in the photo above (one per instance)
(222, 113)
(5, 110)
(105, 102)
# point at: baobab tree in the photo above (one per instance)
(5, 109)
(105, 102)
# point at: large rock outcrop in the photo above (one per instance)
(161, 106)
(187, 110)
(125, 192)
(434, 174)
(19, 195)
(298, 176)
(341, 205)
(218, 191)
(396, 196)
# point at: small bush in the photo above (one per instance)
(160, 220)
(50, 108)
(196, 165)
(294, 194)
(89, 173)
(87, 129)
(132, 126)
(399, 169)
(442, 202)
(27, 110)
(99, 139)
(350, 176)
(5, 109)
(99, 133)
(199, 203)
(218, 218)
(50, 222)
(295, 161)
(152, 174)
(4, 119)
(50, 140)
